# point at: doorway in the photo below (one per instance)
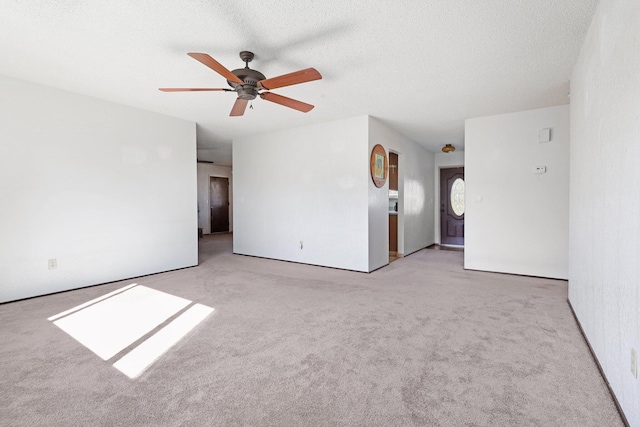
(452, 206)
(393, 207)
(219, 204)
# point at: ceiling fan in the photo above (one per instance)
(249, 84)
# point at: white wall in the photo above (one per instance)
(205, 172)
(442, 161)
(306, 184)
(415, 202)
(604, 264)
(107, 190)
(313, 184)
(517, 221)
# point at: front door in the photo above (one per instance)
(452, 206)
(219, 204)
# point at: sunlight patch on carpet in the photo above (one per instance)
(93, 301)
(138, 359)
(110, 324)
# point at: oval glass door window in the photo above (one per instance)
(457, 196)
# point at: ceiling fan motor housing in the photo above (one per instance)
(248, 90)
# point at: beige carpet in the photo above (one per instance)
(420, 342)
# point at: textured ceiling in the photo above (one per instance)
(421, 66)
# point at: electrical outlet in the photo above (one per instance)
(540, 169)
(634, 363)
(53, 264)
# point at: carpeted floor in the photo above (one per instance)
(420, 342)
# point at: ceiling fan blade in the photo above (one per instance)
(302, 76)
(193, 89)
(239, 107)
(215, 66)
(287, 102)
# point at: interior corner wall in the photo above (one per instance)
(442, 161)
(604, 268)
(106, 190)
(301, 194)
(205, 172)
(415, 197)
(517, 221)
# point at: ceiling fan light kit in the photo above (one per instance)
(249, 83)
(448, 148)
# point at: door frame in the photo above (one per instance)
(438, 216)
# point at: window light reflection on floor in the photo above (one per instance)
(113, 323)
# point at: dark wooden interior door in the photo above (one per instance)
(219, 204)
(452, 206)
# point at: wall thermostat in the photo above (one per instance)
(544, 135)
